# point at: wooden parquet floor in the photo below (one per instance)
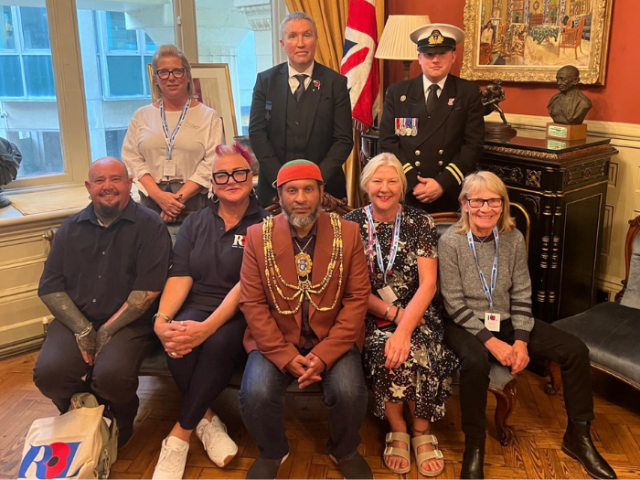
(538, 423)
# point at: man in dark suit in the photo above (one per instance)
(434, 123)
(300, 109)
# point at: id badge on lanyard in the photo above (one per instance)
(386, 293)
(169, 166)
(491, 319)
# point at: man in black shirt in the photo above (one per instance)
(106, 267)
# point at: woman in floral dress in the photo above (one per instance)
(404, 353)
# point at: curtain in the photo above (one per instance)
(331, 19)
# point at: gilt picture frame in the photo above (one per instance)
(529, 40)
(212, 84)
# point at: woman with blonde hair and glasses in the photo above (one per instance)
(404, 352)
(487, 293)
(170, 144)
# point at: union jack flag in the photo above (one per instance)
(358, 62)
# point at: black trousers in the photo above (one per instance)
(205, 372)
(61, 372)
(545, 342)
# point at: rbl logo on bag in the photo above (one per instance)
(49, 461)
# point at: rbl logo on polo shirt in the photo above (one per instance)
(239, 241)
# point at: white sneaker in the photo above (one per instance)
(173, 458)
(219, 446)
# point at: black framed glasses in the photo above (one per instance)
(239, 176)
(164, 74)
(479, 202)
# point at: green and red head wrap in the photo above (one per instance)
(298, 170)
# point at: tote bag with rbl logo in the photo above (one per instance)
(78, 444)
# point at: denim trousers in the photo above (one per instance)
(262, 404)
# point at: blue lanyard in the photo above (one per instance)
(170, 139)
(373, 239)
(494, 271)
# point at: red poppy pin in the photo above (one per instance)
(451, 100)
(316, 84)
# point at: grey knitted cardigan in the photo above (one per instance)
(461, 288)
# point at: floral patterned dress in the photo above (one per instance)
(425, 377)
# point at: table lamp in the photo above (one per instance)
(395, 43)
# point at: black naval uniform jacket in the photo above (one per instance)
(321, 131)
(447, 146)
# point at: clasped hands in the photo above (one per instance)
(307, 369)
(427, 190)
(92, 343)
(179, 338)
(171, 205)
(516, 356)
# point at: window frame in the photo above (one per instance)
(62, 16)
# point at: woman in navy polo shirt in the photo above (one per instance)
(198, 321)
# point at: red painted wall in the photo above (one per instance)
(617, 101)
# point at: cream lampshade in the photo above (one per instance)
(395, 43)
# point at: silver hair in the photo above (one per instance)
(170, 50)
(297, 16)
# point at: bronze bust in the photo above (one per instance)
(570, 106)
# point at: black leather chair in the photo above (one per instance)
(611, 330)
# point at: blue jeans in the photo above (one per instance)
(262, 404)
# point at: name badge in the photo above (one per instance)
(387, 294)
(492, 321)
(169, 168)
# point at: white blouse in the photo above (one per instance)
(144, 147)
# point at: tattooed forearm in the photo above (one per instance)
(67, 313)
(142, 300)
(137, 303)
(64, 310)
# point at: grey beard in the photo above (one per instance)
(301, 222)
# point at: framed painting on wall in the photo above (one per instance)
(213, 88)
(529, 40)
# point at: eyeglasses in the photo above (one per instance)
(164, 74)
(479, 202)
(239, 176)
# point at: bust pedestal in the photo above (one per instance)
(563, 131)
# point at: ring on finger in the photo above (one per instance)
(173, 354)
(181, 323)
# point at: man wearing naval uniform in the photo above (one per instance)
(434, 123)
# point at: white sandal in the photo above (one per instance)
(417, 442)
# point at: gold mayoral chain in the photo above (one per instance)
(304, 288)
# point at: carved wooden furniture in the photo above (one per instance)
(501, 383)
(611, 330)
(572, 38)
(557, 190)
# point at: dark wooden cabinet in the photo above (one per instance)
(557, 191)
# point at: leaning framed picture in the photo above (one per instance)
(213, 88)
(529, 40)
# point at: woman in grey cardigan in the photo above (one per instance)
(487, 293)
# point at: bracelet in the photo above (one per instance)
(395, 317)
(387, 312)
(169, 320)
(84, 332)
